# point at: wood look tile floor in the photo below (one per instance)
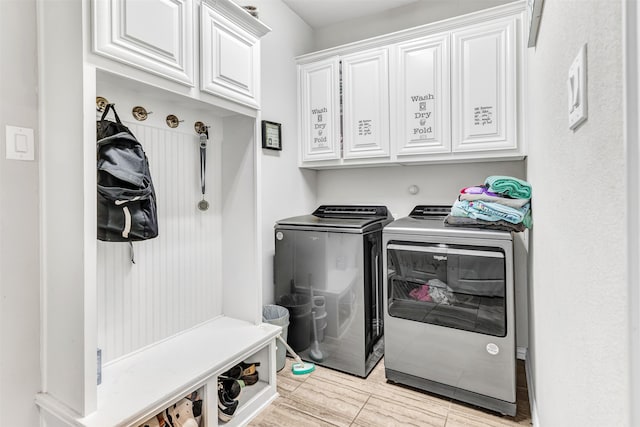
(331, 398)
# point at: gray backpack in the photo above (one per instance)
(127, 210)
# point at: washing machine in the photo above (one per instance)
(328, 274)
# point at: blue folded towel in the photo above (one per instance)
(509, 186)
(489, 211)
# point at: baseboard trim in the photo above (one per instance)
(521, 353)
(531, 391)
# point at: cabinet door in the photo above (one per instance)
(230, 58)
(365, 102)
(484, 87)
(155, 36)
(423, 95)
(319, 110)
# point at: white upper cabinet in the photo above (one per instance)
(230, 58)
(344, 108)
(422, 90)
(218, 55)
(448, 91)
(127, 31)
(365, 103)
(319, 110)
(484, 87)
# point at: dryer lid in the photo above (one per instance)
(353, 217)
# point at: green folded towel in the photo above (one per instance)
(509, 186)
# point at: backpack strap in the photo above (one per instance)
(132, 253)
(106, 111)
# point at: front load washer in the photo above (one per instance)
(449, 312)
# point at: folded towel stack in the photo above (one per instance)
(502, 202)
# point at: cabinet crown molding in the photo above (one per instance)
(478, 17)
(239, 16)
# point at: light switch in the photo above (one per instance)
(577, 89)
(20, 145)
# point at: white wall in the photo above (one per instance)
(631, 13)
(19, 221)
(439, 184)
(286, 190)
(412, 15)
(579, 329)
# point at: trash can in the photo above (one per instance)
(299, 306)
(279, 316)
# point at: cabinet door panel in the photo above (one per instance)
(230, 59)
(423, 116)
(127, 31)
(366, 104)
(319, 110)
(484, 95)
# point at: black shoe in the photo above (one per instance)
(225, 413)
(232, 387)
(241, 370)
(223, 396)
(226, 406)
(197, 408)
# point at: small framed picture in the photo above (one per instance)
(271, 135)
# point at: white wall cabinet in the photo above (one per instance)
(127, 31)
(423, 102)
(190, 307)
(319, 110)
(484, 88)
(365, 103)
(452, 92)
(343, 108)
(230, 58)
(206, 47)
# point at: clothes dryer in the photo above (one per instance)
(449, 312)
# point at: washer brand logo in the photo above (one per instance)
(440, 257)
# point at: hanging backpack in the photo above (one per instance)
(127, 210)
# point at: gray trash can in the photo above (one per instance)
(279, 316)
(299, 306)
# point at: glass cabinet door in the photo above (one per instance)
(455, 286)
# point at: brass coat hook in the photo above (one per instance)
(173, 122)
(140, 113)
(101, 103)
(201, 128)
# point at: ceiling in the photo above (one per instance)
(321, 13)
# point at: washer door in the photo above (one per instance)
(455, 286)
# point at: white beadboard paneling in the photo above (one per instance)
(175, 282)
